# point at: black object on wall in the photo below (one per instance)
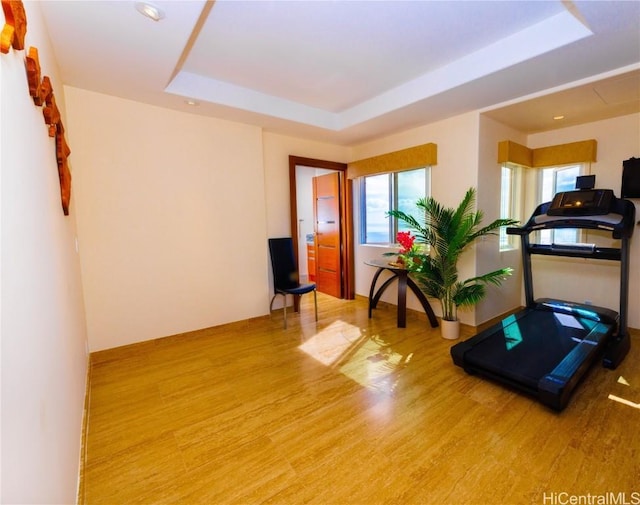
(631, 178)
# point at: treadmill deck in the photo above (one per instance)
(543, 350)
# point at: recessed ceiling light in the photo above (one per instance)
(191, 102)
(150, 10)
(558, 118)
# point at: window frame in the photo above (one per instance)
(393, 202)
(548, 237)
(515, 204)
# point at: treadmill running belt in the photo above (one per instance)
(528, 346)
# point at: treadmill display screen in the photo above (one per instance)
(586, 202)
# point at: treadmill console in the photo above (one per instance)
(582, 202)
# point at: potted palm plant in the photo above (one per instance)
(446, 233)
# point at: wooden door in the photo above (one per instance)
(326, 216)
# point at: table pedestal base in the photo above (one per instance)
(402, 276)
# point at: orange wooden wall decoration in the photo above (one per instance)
(32, 63)
(51, 114)
(15, 27)
(40, 89)
(62, 153)
(45, 90)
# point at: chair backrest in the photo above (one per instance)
(283, 263)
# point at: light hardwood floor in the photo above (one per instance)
(350, 410)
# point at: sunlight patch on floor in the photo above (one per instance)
(374, 365)
(624, 401)
(330, 344)
(368, 360)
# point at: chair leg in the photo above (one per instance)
(285, 311)
(315, 303)
(285, 307)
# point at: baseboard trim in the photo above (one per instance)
(84, 437)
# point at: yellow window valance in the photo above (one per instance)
(561, 154)
(512, 152)
(405, 159)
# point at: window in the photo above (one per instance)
(383, 192)
(509, 202)
(552, 181)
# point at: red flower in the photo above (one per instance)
(406, 240)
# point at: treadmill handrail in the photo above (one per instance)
(597, 253)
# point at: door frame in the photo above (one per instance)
(346, 216)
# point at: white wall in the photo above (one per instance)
(489, 258)
(277, 149)
(454, 174)
(42, 321)
(467, 154)
(582, 279)
(171, 218)
(133, 236)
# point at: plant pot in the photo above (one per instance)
(450, 329)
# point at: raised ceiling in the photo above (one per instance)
(603, 98)
(351, 71)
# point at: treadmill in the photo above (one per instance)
(546, 348)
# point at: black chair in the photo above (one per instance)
(285, 274)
